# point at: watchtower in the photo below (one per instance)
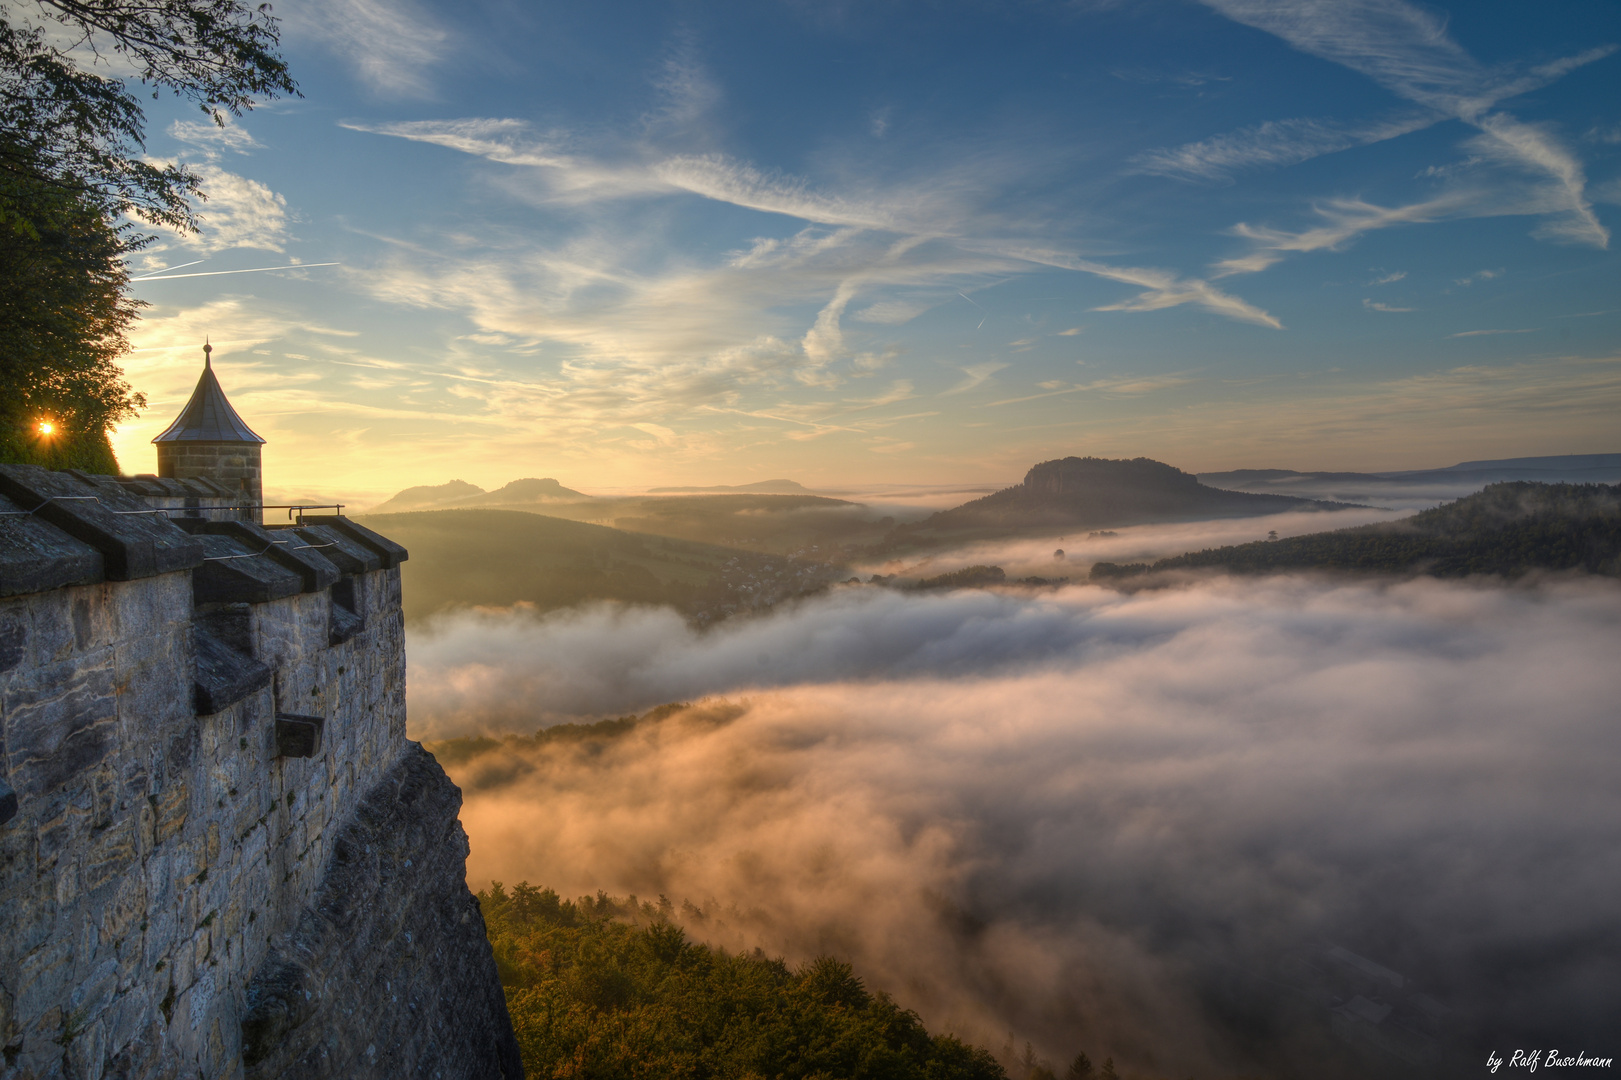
(209, 439)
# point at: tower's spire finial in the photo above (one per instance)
(208, 351)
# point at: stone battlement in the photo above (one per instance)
(206, 794)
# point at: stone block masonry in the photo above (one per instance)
(164, 870)
(236, 466)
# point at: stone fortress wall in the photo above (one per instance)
(219, 854)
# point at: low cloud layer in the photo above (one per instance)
(1135, 825)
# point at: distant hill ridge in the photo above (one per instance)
(763, 487)
(1090, 492)
(457, 493)
(1508, 528)
(1565, 468)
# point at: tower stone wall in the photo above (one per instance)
(235, 465)
(219, 854)
(209, 441)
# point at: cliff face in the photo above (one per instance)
(388, 972)
(203, 766)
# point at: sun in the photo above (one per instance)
(47, 428)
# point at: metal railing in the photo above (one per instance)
(295, 511)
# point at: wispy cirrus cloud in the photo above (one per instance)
(393, 45)
(1273, 144)
(975, 376)
(1344, 220)
(915, 215)
(1375, 305)
(1407, 51)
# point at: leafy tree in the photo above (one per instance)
(72, 169)
(66, 127)
(63, 317)
(606, 988)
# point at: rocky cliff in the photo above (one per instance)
(388, 972)
(206, 793)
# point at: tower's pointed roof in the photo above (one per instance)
(208, 417)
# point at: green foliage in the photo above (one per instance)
(72, 164)
(76, 131)
(63, 317)
(1506, 529)
(609, 989)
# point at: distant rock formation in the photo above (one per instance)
(528, 490)
(426, 497)
(1088, 492)
(458, 493)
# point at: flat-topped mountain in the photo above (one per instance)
(761, 487)
(1096, 492)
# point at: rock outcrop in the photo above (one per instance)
(388, 973)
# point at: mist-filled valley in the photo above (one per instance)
(1287, 818)
(810, 541)
(1152, 826)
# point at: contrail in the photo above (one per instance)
(160, 276)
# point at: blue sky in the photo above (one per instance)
(892, 242)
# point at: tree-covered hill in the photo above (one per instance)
(1506, 529)
(611, 989)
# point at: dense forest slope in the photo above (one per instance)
(1506, 529)
(611, 988)
(1089, 492)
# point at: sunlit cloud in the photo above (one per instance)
(214, 139)
(1346, 219)
(392, 47)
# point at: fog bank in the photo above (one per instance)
(1023, 558)
(1135, 825)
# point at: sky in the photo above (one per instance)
(675, 243)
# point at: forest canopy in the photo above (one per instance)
(609, 989)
